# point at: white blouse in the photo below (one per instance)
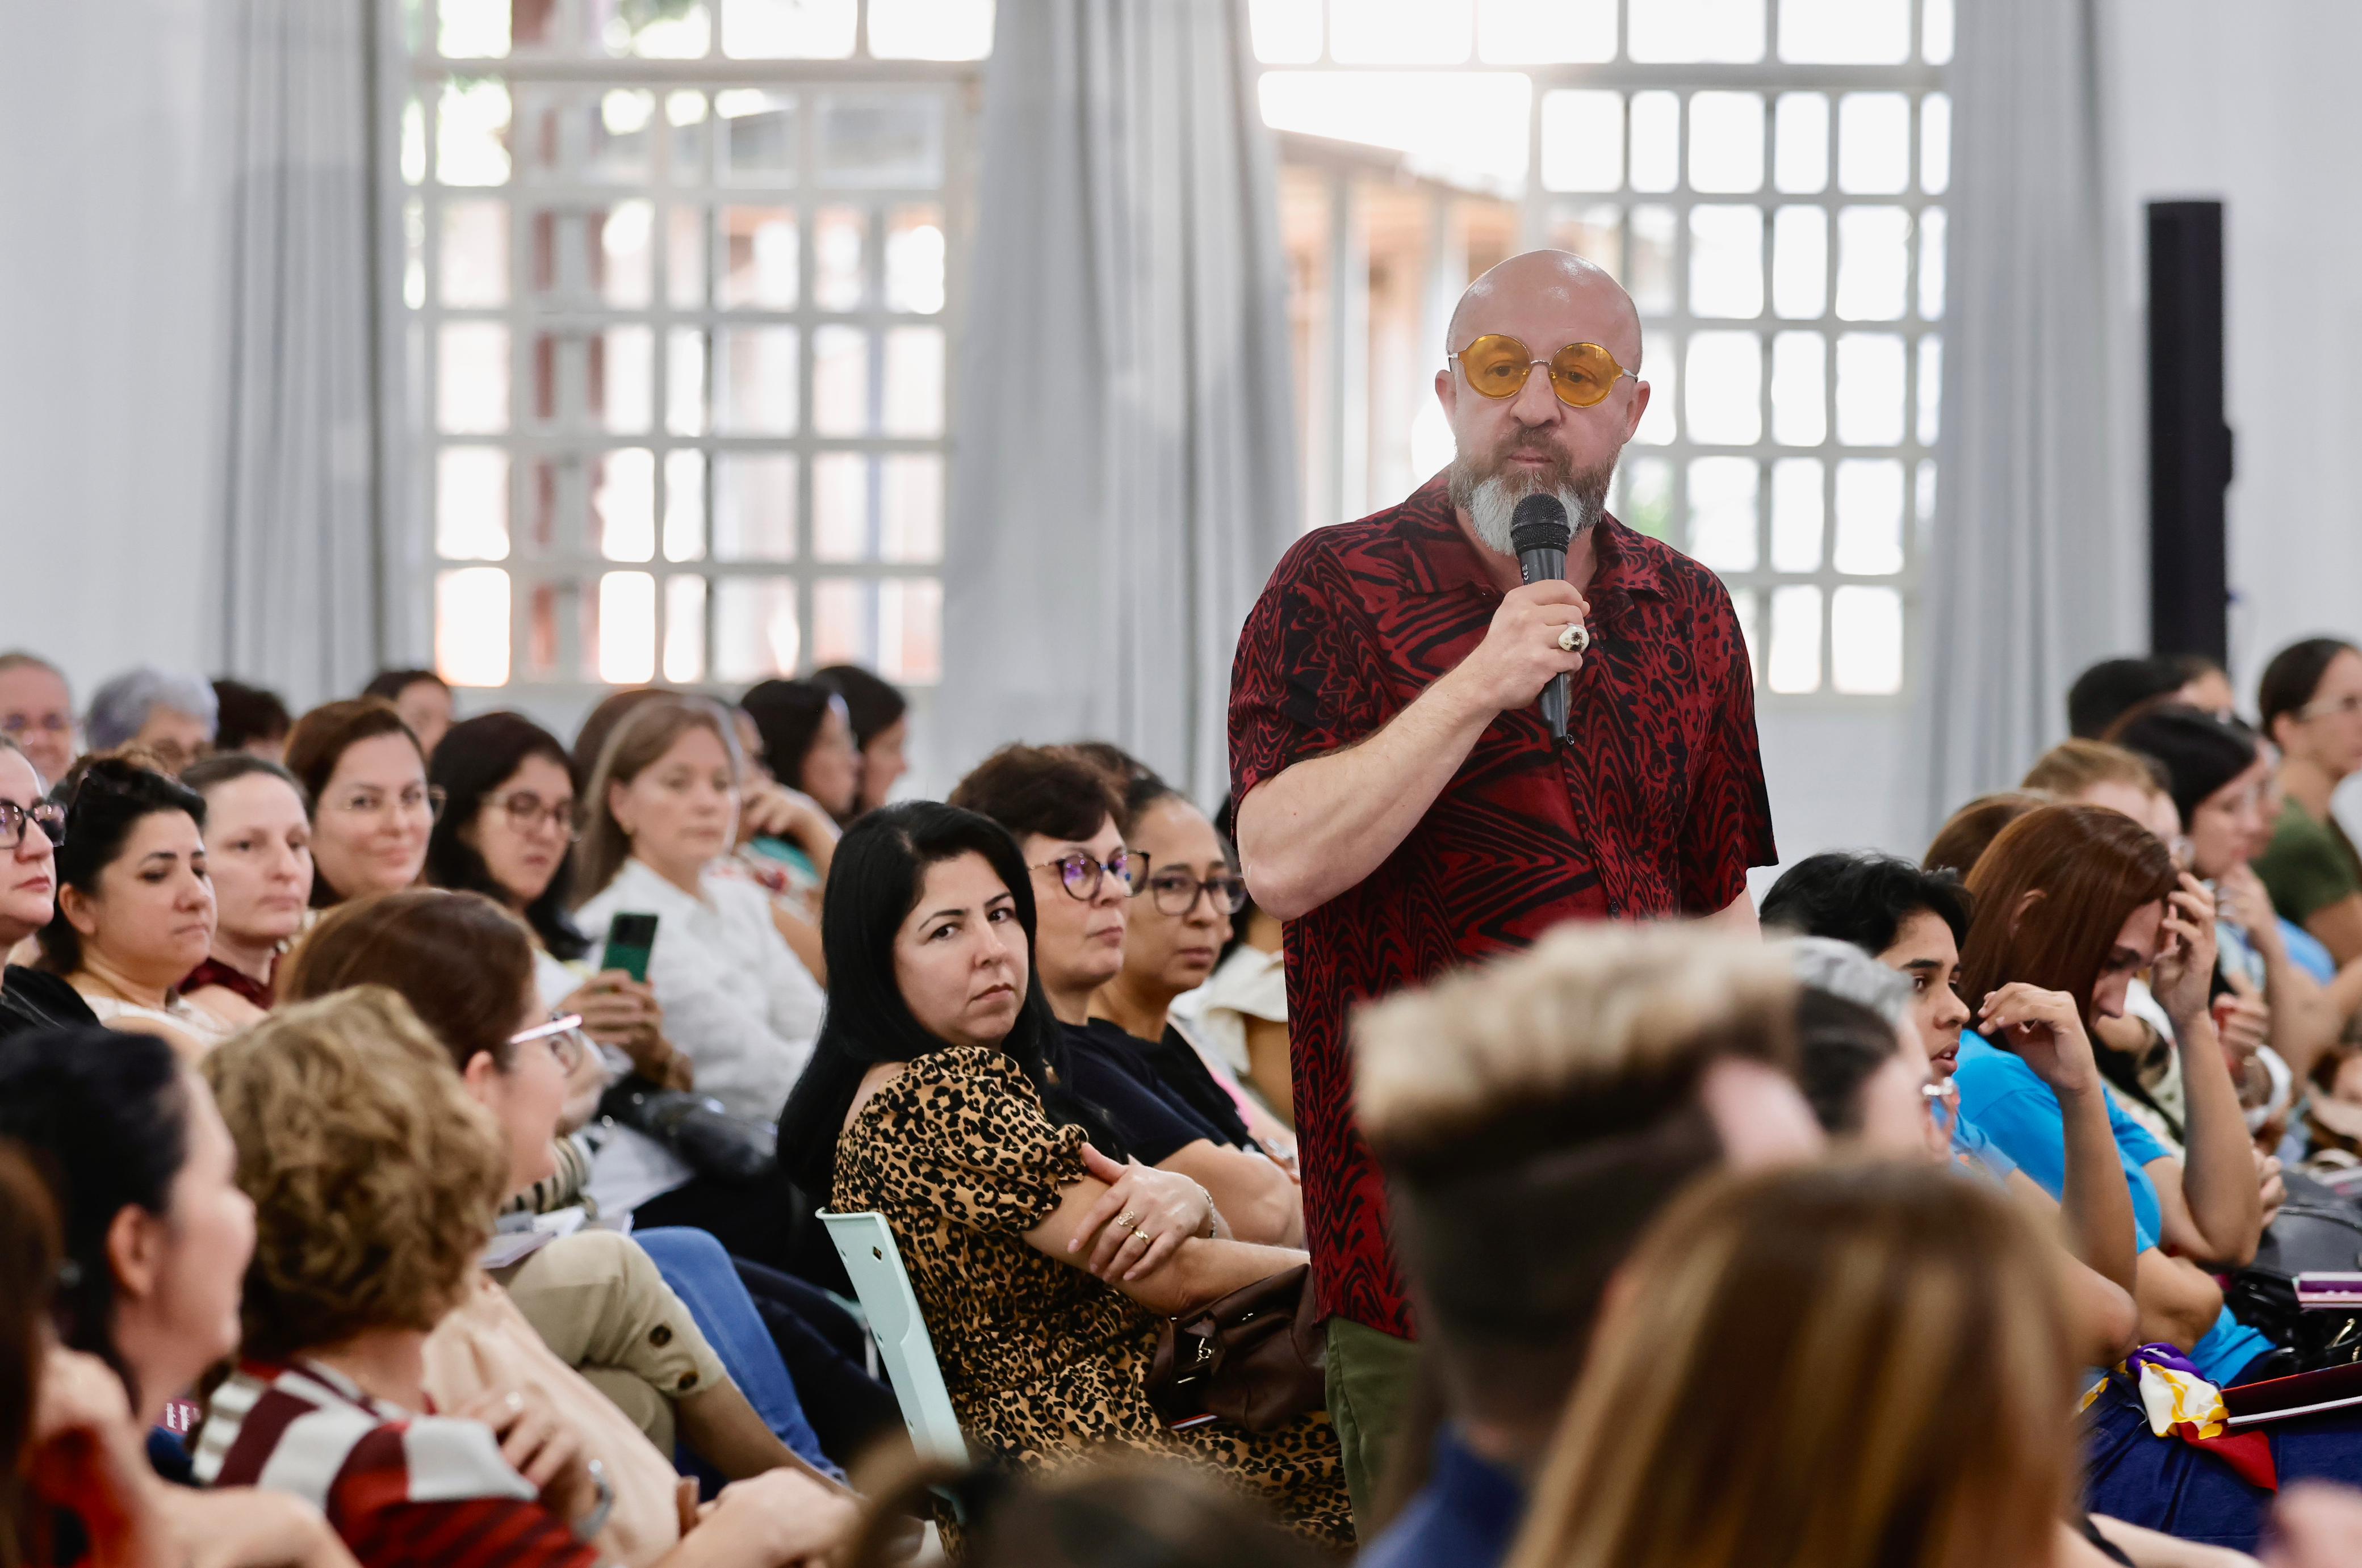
(736, 999)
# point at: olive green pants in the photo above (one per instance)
(1371, 1374)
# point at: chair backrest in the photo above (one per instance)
(866, 1245)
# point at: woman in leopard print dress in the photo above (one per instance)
(934, 1098)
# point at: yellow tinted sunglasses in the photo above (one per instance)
(1581, 373)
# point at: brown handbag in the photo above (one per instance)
(1255, 1358)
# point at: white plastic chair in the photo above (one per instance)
(866, 1245)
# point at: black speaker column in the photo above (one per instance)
(2188, 441)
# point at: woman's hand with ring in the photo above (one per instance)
(1141, 1221)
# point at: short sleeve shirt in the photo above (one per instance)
(1655, 807)
(1153, 1126)
(2309, 866)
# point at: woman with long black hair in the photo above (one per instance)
(935, 1097)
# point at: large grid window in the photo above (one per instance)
(1766, 178)
(683, 276)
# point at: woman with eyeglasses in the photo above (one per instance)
(258, 854)
(30, 827)
(135, 911)
(371, 806)
(1066, 811)
(2311, 709)
(1173, 937)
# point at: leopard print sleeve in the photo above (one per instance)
(980, 1147)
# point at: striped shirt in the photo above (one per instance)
(402, 1490)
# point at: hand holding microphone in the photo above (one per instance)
(1537, 638)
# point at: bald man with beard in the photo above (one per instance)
(1402, 805)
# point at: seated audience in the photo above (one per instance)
(30, 827)
(1173, 930)
(421, 698)
(170, 717)
(375, 1175)
(663, 809)
(2205, 686)
(37, 713)
(135, 910)
(2100, 773)
(1067, 818)
(1533, 1117)
(2310, 704)
(1849, 1363)
(800, 774)
(808, 742)
(591, 740)
(881, 729)
(2114, 687)
(1961, 841)
(258, 855)
(253, 720)
(154, 1236)
(1241, 1012)
(371, 806)
(932, 1098)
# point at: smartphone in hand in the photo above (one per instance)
(630, 939)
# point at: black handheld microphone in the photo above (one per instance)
(1539, 532)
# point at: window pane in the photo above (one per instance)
(1545, 32)
(1935, 33)
(1844, 32)
(1727, 141)
(754, 507)
(472, 29)
(1400, 32)
(758, 258)
(909, 630)
(1936, 143)
(882, 138)
(471, 378)
(685, 382)
(1748, 605)
(1794, 665)
(471, 503)
(758, 135)
(1658, 426)
(1869, 390)
(684, 638)
(624, 256)
(1931, 264)
(1801, 144)
(787, 29)
(1593, 232)
(931, 29)
(623, 500)
(1722, 511)
(413, 143)
(1923, 494)
(693, 148)
(623, 379)
(1797, 515)
(413, 253)
(841, 507)
(755, 631)
(1656, 140)
(911, 508)
(1800, 262)
(1680, 31)
(684, 525)
(472, 134)
(1582, 140)
(1726, 388)
(914, 259)
(627, 629)
(841, 381)
(838, 279)
(675, 31)
(685, 258)
(1870, 517)
(1873, 262)
(754, 393)
(842, 632)
(472, 266)
(1866, 640)
(1931, 389)
(471, 626)
(1799, 388)
(915, 381)
(1647, 496)
(1286, 32)
(1651, 279)
(1727, 261)
(1873, 143)
(1470, 124)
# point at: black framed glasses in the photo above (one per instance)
(48, 816)
(1177, 889)
(526, 810)
(1082, 875)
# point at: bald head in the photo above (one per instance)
(1550, 285)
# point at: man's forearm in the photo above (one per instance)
(2095, 1197)
(1323, 825)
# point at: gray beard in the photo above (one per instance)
(1490, 503)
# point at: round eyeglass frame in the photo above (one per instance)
(1573, 371)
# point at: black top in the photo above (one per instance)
(34, 999)
(1176, 1068)
(1153, 1125)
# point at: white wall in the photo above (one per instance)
(109, 347)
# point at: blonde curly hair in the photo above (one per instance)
(374, 1174)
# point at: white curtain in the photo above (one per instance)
(2029, 576)
(1123, 472)
(304, 590)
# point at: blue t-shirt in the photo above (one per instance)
(1970, 1139)
(2016, 1110)
(1466, 1516)
(2305, 950)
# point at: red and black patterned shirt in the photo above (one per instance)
(1655, 807)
